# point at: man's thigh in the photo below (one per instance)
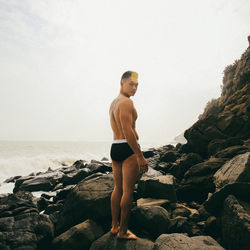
(130, 171)
(117, 173)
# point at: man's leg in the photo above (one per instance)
(130, 171)
(116, 195)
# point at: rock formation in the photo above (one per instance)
(194, 196)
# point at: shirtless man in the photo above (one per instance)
(127, 158)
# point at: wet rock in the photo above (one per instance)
(78, 237)
(235, 170)
(40, 182)
(161, 187)
(153, 219)
(90, 199)
(21, 225)
(235, 223)
(183, 242)
(110, 242)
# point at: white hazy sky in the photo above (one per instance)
(61, 63)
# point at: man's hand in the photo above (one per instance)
(143, 165)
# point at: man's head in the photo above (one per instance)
(129, 83)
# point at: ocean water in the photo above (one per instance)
(25, 157)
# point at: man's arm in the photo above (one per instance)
(126, 108)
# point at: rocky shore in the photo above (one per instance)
(194, 196)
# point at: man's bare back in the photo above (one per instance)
(115, 122)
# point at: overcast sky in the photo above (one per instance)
(61, 63)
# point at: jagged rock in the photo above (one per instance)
(169, 156)
(161, 187)
(110, 242)
(62, 193)
(211, 227)
(219, 144)
(12, 179)
(90, 199)
(184, 163)
(235, 224)
(78, 237)
(215, 202)
(96, 166)
(40, 182)
(198, 181)
(235, 170)
(21, 225)
(148, 153)
(154, 219)
(183, 242)
(76, 176)
(231, 151)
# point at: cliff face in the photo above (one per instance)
(226, 118)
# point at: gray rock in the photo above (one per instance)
(90, 199)
(110, 242)
(198, 181)
(153, 219)
(161, 187)
(78, 237)
(234, 170)
(21, 225)
(40, 182)
(235, 222)
(183, 242)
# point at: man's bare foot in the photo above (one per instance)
(127, 236)
(115, 230)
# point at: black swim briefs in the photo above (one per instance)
(120, 151)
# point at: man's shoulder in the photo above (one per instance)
(126, 102)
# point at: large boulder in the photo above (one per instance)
(154, 219)
(40, 182)
(90, 199)
(111, 242)
(235, 223)
(235, 170)
(161, 187)
(198, 180)
(78, 237)
(215, 202)
(21, 225)
(184, 163)
(183, 242)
